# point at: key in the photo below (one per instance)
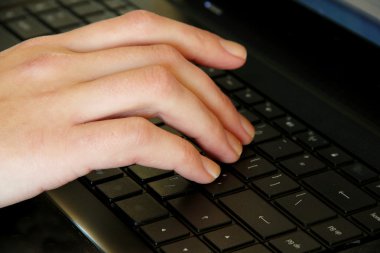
(295, 242)
(340, 192)
(253, 167)
(199, 212)
(306, 208)
(276, 184)
(229, 83)
(281, 148)
(100, 176)
(248, 96)
(28, 27)
(261, 217)
(60, 19)
(224, 184)
(302, 165)
(290, 125)
(254, 249)
(312, 140)
(142, 209)
(335, 155)
(370, 219)
(114, 4)
(269, 110)
(212, 72)
(337, 231)
(7, 39)
(147, 174)
(247, 152)
(100, 16)
(374, 188)
(87, 8)
(165, 230)
(42, 6)
(264, 132)
(191, 245)
(119, 188)
(359, 172)
(12, 14)
(126, 9)
(170, 187)
(249, 115)
(228, 238)
(72, 2)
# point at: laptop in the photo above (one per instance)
(309, 182)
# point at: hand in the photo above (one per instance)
(79, 101)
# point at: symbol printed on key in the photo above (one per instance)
(263, 219)
(204, 217)
(185, 250)
(163, 229)
(227, 237)
(343, 194)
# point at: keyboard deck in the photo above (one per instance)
(293, 190)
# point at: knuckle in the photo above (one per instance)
(140, 131)
(140, 18)
(163, 82)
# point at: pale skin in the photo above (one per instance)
(80, 101)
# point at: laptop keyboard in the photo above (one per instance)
(293, 190)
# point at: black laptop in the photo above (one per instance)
(308, 183)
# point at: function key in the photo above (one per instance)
(147, 174)
(229, 238)
(254, 167)
(223, 184)
(229, 83)
(312, 140)
(212, 72)
(265, 132)
(276, 184)
(359, 172)
(191, 245)
(290, 125)
(119, 188)
(99, 176)
(335, 155)
(281, 148)
(269, 110)
(337, 231)
(370, 219)
(170, 187)
(249, 96)
(42, 6)
(28, 27)
(12, 14)
(302, 165)
(296, 242)
(165, 230)
(340, 191)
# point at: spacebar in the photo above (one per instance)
(101, 227)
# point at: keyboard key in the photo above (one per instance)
(253, 167)
(249, 115)
(228, 238)
(142, 209)
(260, 216)
(306, 208)
(170, 187)
(290, 125)
(60, 19)
(114, 4)
(199, 212)
(339, 191)
(335, 155)
(247, 152)
(312, 140)
(359, 172)
(229, 83)
(370, 219)
(249, 97)
(212, 72)
(269, 110)
(126, 9)
(165, 230)
(28, 27)
(100, 176)
(119, 188)
(374, 188)
(42, 6)
(7, 39)
(224, 184)
(281, 148)
(87, 8)
(254, 249)
(295, 242)
(302, 165)
(264, 132)
(146, 174)
(100, 16)
(12, 14)
(72, 2)
(276, 184)
(337, 231)
(191, 245)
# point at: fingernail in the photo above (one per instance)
(234, 48)
(211, 167)
(235, 144)
(249, 129)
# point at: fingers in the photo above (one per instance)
(152, 91)
(122, 142)
(145, 28)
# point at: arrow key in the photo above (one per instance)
(228, 238)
